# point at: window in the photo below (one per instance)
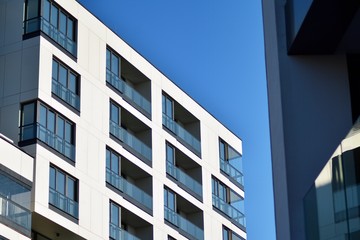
(113, 62)
(115, 221)
(170, 200)
(170, 154)
(113, 162)
(63, 191)
(231, 163)
(52, 20)
(230, 235)
(168, 106)
(65, 84)
(220, 190)
(38, 121)
(115, 114)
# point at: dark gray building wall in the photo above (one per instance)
(309, 111)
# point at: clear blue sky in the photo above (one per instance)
(213, 50)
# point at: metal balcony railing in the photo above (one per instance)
(184, 224)
(40, 23)
(65, 94)
(232, 172)
(15, 213)
(129, 189)
(130, 140)
(183, 178)
(38, 131)
(128, 91)
(118, 233)
(228, 210)
(182, 133)
(63, 203)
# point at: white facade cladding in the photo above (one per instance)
(117, 150)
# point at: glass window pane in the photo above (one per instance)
(225, 234)
(108, 61)
(72, 83)
(46, 10)
(52, 178)
(115, 163)
(32, 9)
(70, 190)
(222, 151)
(114, 113)
(169, 106)
(170, 154)
(54, 16)
(55, 70)
(70, 29)
(28, 115)
(115, 64)
(60, 127)
(114, 214)
(51, 121)
(62, 23)
(43, 117)
(60, 182)
(63, 76)
(68, 132)
(108, 159)
(171, 201)
(163, 103)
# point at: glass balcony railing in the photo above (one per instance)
(183, 223)
(128, 91)
(15, 213)
(130, 140)
(129, 189)
(63, 203)
(185, 179)
(38, 131)
(40, 23)
(65, 94)
(118, 233)
(229, 210)
(182, 133)
(232, 172)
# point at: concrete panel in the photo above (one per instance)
(12, 74)
(30, 69)
(14, 22)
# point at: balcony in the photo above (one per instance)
(186, 181)
(129, 92)
(184, 135)
(129, 189)
(15, 214)
(36, 130)
(229, 210)
(131, 141)
(120, 234)
(182, 223)
(63, 203)
(235, 175)
(66, 95)
(40, 23)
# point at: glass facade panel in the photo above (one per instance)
(115, 214)
(46, 10)
(32, 9)
(332, 205)
(54, 16)
(63, 23)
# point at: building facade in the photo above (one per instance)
(312, 62)
(98, 144)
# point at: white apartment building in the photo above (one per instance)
(96, 143)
